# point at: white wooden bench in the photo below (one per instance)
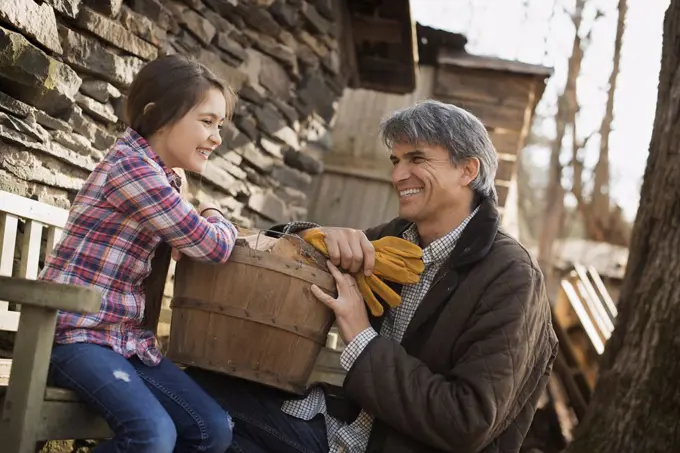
(31, 411)
(58, 414)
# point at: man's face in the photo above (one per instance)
(429, 185)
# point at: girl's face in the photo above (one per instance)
(189, 142)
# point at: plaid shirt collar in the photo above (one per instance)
(136, 142)
(439, 250)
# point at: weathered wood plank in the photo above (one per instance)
(22, 408)
(465, 60)
(505, 141)
(506, 167)
(5, 369)
(375, 29)
(8, 237)
(502, 189)
(493, 116)
(31, 209)
(355, 131)
(83, 422)
(481, 85)
(30, 250)
(51, 393)
(53, 236)
(361, 172)
(9, 320)
(55, 296)
(343, 198)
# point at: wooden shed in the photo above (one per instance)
(355, 189)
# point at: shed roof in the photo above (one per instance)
(441, 47)
(384, 36)
(465, 60)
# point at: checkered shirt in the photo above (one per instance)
(127, 206)
(353, 438)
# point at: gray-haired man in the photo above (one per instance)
(457, 367)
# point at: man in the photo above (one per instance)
(460, 364)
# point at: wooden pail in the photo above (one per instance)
(254, 317)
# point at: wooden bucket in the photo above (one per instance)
(254, 317)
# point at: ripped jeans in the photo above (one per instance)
(150, 409)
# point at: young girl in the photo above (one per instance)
(128, 205)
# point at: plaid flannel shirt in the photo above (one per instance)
(127, 206)
(354, 437)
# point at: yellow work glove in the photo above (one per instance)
(396, 260)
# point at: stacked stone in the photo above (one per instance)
(65, 66)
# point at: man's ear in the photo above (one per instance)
(470, 170)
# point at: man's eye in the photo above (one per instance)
(207, 122)
(417, 160)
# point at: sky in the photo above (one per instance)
(540, 32)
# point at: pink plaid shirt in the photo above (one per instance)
(128, 205)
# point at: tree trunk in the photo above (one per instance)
(636, 406)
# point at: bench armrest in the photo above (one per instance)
(51, 295)
(40, 300)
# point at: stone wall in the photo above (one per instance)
(65, 66)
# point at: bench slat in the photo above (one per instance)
(9, 320)
(51, 393)
(30, 250)
(53, 236)
(5, 368)
(70, 420)
(33, 210)
(8, 238)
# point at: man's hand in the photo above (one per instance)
(349, 249)
(349, 308)
(176, 254)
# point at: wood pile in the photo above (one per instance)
(584, 316)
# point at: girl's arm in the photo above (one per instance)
(137, 187)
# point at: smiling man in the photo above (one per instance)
(460, 364)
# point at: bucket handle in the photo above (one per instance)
(294, 236)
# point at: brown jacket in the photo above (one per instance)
(474, 360)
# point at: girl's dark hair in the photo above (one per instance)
(174, 84)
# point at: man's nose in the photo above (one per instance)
(400, 173)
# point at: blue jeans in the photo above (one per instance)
(150, 409)
(259, 424)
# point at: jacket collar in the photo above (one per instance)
(476, 239)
